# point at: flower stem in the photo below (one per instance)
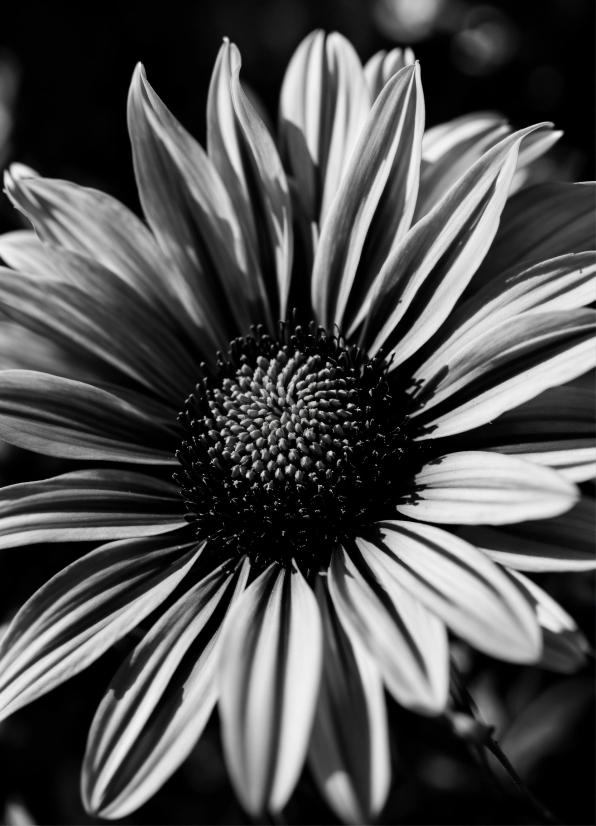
(544, 813)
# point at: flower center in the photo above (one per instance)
(293, 445)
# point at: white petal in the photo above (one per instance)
(407, 641)
(349, 749)
(269, 682)
(457, 582)
(476, 487)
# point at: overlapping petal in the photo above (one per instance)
(95, 225)
(81, 318)
(349, 760)
(323, 106)
(430, 268)
(475, 487)
(272, 197)
(385, 162)
(74, 420)
(457, 582)
(556, 428)
(88, 504)
(83, 610)
(565, 647)
(541, 222)
(193, 219)
(565, 543)
(408, 642)
(269, 682)
(512, 362)
(22, 250)
(159, 701)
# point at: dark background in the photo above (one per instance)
(64, 75)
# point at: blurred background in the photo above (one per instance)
(64, 75)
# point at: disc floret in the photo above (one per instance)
(292, 446)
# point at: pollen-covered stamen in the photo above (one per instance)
(291, 446)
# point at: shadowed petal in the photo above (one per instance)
(448, 155)
(273, 194)
(538, 223)
(386, 157)
(460, 585)
(428, 271)
(564, 283)
(158, 703)
(349, 749)
(323, 106)
(20, 349)
(556, 428)
(88, 504)
(61, 417)
(269, 681)
(224, 143)
(475, 488)
(565, 647)
(89, 222)
(508, 365)
(81, 318)
(565, 543)
(83, 610)
(192, 217)
(408, 642)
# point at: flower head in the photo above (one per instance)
(355, 362)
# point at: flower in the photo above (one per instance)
(378, 430)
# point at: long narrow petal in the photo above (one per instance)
(556, 428)
(538, 223)
(564, 283)
(159, 701)
(88, 504)
(429, 270)
(269, 682)
(449, 158)
(224, 143)
(459, 584)
(192, 217)
(90, 222)
(273, 192)
(565, 543)
(61, 417)
(476, 488)
(349, 749)
(387, 154)
(511, 363)
(81, 318)
(323, 105)
(83, 610)
(407, 641)
(565, 647)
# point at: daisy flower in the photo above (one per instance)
(323, 397)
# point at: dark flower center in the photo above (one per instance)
(294, 444)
